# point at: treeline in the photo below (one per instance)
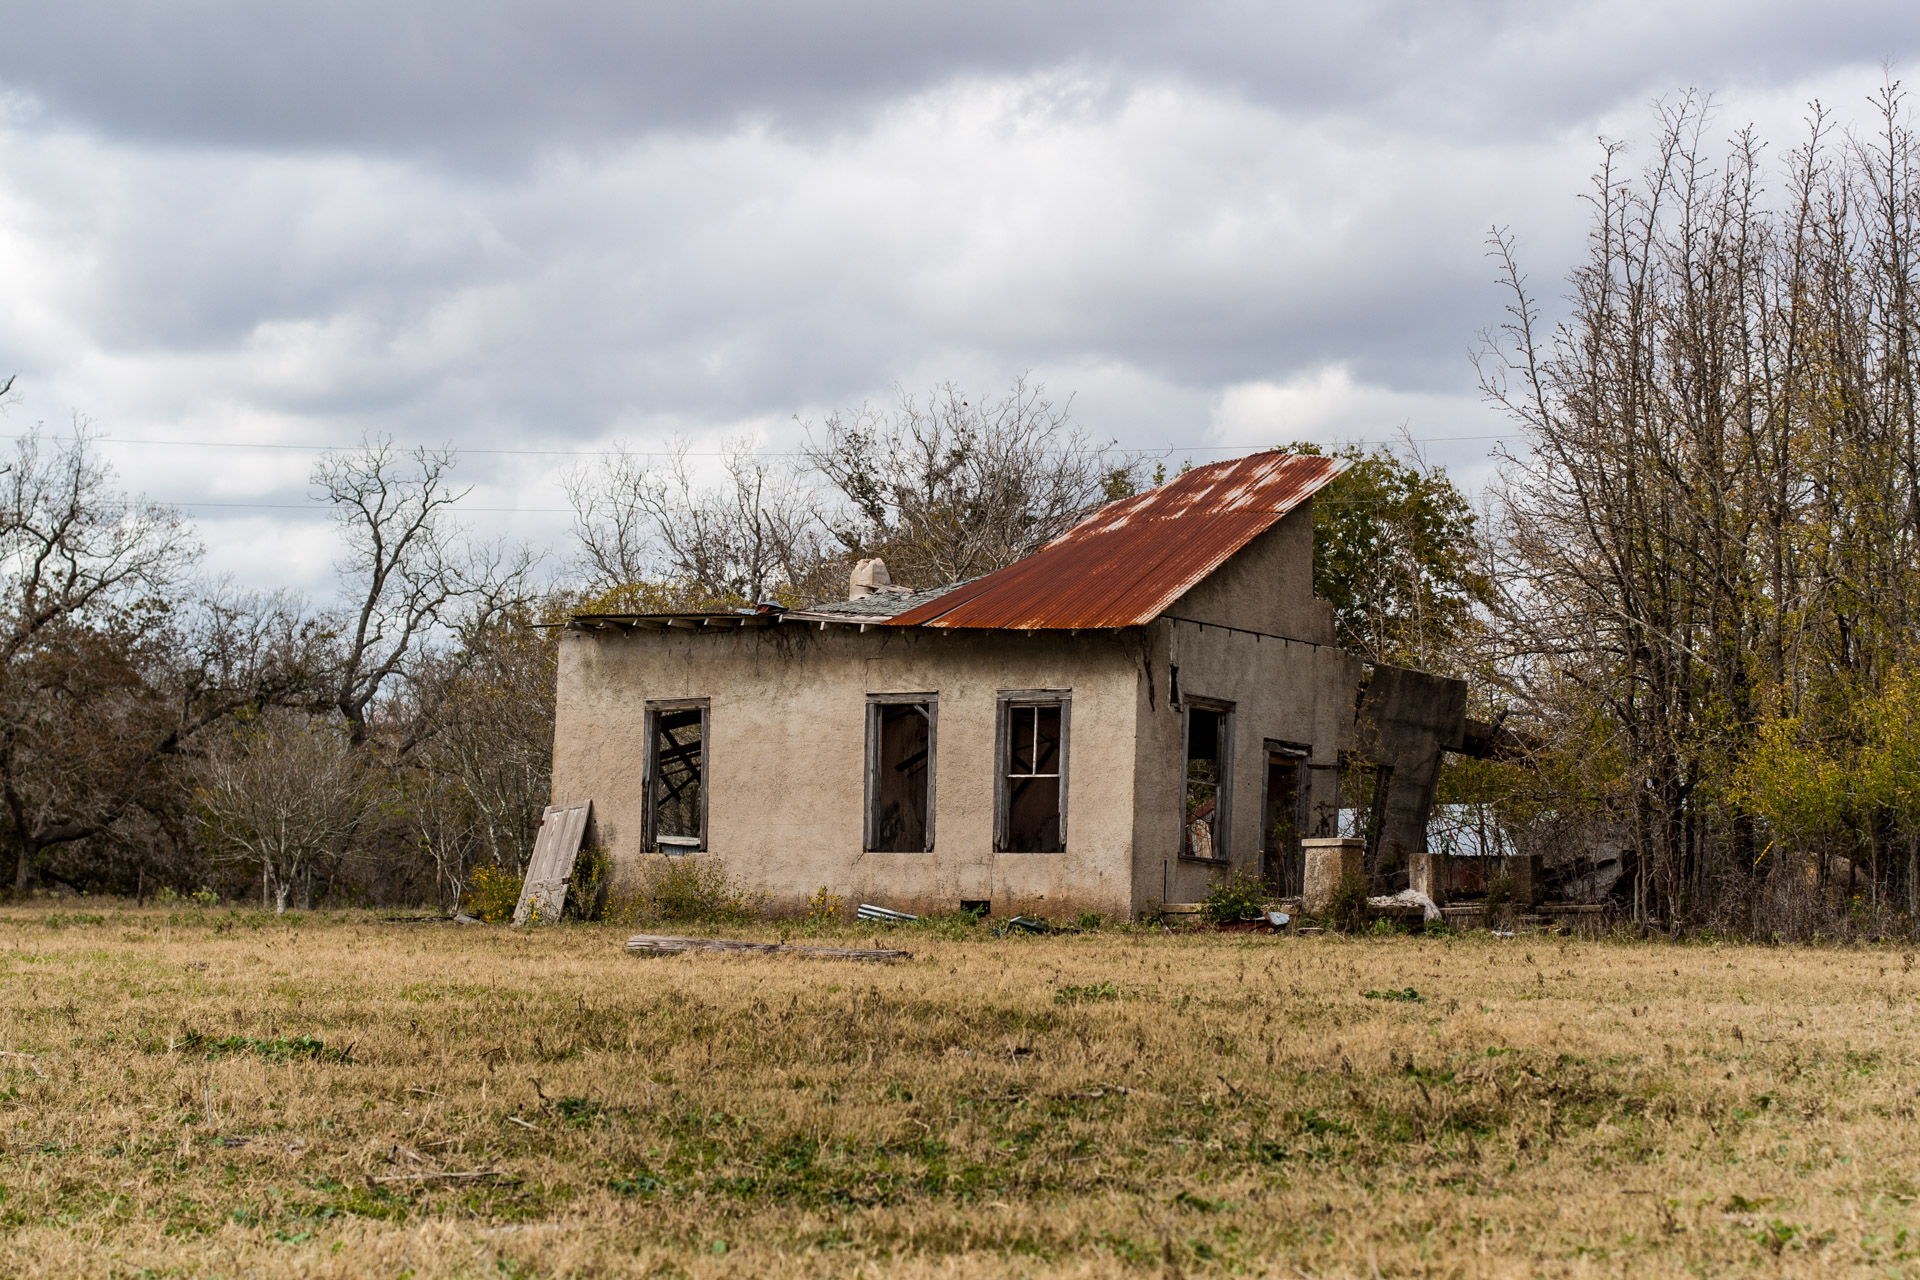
(1704, 552)
(161, 733)
(1691, 603)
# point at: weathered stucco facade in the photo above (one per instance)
(787, 741)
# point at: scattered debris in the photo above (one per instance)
(868, 911)
(464, 918)
(1279, 919)
(1023, 924)
(544, 893)
(654, 944)
(523, 1123)
(1404, 899)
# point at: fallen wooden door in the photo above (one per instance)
(544, 892)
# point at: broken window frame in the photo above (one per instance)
(876, 702)
(1222, 784)
(651, 774)
(1009, 701)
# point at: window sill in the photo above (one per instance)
(1205, 862)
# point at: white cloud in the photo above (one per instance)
(1202, 258)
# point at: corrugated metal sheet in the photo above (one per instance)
(1125, 564)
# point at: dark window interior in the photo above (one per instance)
(679, 754)
(1205, 743)
(1033, 779)
(1281, 823)
(901, 777)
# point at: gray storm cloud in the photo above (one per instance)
(545, 227)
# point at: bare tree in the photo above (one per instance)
(282, 791)
(410, 569)
(484, 775)
(111, 660)
(643, 527)
(948, 487)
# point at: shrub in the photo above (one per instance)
(697, 890)
(1499, 901)
(492, 894)
(823, 907)
(1347, 907)
(585, 900)
(1240, 896)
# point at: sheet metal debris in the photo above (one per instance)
(868, 911)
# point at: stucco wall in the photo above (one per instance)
(787, 756)
(1266, 586)
(1281, 690)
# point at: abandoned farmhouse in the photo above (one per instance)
(1148, 701)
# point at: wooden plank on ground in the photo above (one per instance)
(656, 944)
(544, 892)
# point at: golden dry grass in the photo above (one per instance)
(1114, 1103)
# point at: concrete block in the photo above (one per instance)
(1427, 873)
(1529, 877)
(1329, 861)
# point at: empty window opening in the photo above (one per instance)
(1033, 750)
(1208, 776)
(679, 794)
(1282, 822)
(1363, 793)
(900, 777)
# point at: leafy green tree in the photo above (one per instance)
(1396, 550)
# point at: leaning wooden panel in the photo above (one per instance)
(543, 895)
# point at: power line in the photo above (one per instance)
(1167, 450)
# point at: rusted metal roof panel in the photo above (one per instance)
(1125, 564)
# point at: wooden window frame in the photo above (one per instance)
(1223, 794)
(875, 701)
(651, 772)
(1008, 699)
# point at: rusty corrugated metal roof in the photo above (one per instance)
(1125, 564)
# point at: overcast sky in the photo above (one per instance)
(535, 229)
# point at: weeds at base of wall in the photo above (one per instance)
(1499, 902)
(1346, 909)
(1240, 896)
(685, 890)
(586, 891)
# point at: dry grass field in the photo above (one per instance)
(209, 1092)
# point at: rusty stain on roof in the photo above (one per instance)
(1127, 563)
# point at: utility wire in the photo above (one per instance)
(1144, 450)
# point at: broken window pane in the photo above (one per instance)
(679, 758)
(1208, 743)
(901, 790)
(1032, 783)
